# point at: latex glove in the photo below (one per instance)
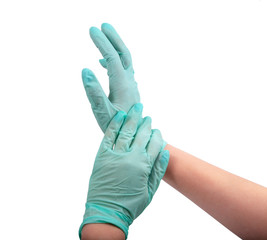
(127, 171)
(123, 88)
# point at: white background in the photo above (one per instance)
(201, 70)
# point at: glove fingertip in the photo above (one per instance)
(156, 132)
(87, 76)
(93, 30)
(148, 119)
(103, 62)
(87, 72)
(106, 25)
(120, 116)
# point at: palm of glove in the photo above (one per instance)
(127, 180)
(123, 88)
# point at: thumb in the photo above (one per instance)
(101, 106)
(158, 172)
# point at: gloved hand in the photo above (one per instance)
(127, 171)
(123, 88)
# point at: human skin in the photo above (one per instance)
(239, 204)
(102, 231)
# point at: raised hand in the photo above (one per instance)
(123, 88)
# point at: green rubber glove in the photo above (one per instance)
(127, 171)
(123, 88)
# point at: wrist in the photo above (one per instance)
(101, 231)
(95, 213)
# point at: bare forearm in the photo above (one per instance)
(102, 231)
(240, 205)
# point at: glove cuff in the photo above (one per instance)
(95, 213)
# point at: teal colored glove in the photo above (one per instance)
(127, 171)
(123, 88)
